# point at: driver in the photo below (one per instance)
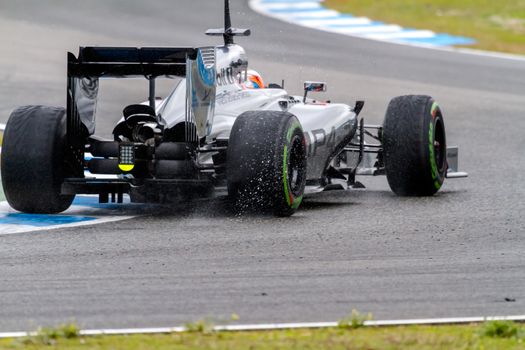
(254, 80)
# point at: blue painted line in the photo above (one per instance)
(81, 212)
(302, 18)
(371, 24)
(441, 40)
(345, 16)
(296, 10)
(41, 220)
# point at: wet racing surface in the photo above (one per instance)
(459, 253)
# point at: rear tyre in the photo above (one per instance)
(266, 162)
(415, 147)
(33, 154)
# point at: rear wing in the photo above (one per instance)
(93, 63)
(122, 62)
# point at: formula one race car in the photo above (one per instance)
(219, 129)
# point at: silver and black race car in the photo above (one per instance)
(215, 132)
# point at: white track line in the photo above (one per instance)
(364, 30)
(294, 5)
(314, 14)
(335, 21)
(20, 228)
(402, 35)
(282, 326)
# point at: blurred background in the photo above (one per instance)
(495, 25)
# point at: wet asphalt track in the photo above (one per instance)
(460, 253)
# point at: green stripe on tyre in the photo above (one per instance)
(285, 176)
(297, 202)
(433, 110)
(290, 131)
(292, 202)
(433, 164)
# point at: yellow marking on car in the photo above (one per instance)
(126, 167)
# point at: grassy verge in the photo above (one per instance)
(493, 335)
(496, 25)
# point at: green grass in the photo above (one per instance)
(50, 336)
(354, 320)
(496, 25)
(492, 335)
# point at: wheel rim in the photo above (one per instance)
(440, 147)
(296, 166)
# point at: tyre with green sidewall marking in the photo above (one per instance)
(266, 162)
(33, 160)
(414, 144)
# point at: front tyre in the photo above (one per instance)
(266, 162)
(33, 154)
(415, 147)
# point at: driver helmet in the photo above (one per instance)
(254, 80)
